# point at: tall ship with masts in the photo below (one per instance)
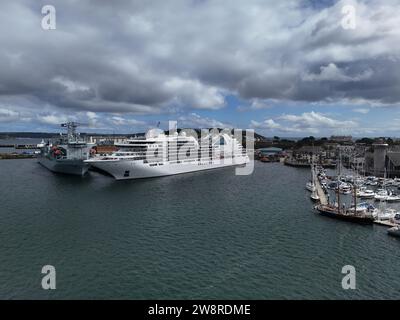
(363, 214)
(67, 154)
(159, 154)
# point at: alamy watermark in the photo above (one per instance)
(349, 21)
(208, 148)
(49, 280)
(349, 280)
(49, 20)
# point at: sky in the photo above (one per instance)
(287, 68)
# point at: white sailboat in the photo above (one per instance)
(314, 195)
(310, 186)
(364, 193)
(394, 231)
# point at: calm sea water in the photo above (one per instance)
(204, 235)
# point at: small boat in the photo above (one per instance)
(386, 214)
(393, 198)
(314, 196)
(396, 218)
(366, 194)
(345, 188)
(381, 195)
(310, 186)
(333, 185)
(389, 182)
(394, 231)
(363, 206)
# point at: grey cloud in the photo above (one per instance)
(149, 57)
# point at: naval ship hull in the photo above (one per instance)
(127, 169)
(74, 167)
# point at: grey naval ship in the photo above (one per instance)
(67, 154)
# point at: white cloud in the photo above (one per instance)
(194, 120)
(7, 115)
(332, 73)
(268, 124)
(93, 120)
(361, 110)
(194, 94)
(120, 121)
(52, 119)
(69, 85)
(256, 104)
(316, 120)
(177, 56)
(308, 122)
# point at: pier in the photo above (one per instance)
(321, 194)
(385, 223)
(306, 164)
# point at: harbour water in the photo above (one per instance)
(204, 235)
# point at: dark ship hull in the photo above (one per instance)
(332, 212)
(74, 167)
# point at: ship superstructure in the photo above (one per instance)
(158, 154)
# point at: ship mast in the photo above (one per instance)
(71, 130)
(338, 183)
(355, 197)
(355, 186)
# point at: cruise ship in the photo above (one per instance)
(158, 154)
(67, 154)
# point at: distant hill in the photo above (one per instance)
(7, 135)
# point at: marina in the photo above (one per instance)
(359, 212)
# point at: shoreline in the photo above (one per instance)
(8, 156)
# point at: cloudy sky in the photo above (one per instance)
(286, 68)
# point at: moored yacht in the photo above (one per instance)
(310, 186)
(314, 195)
(385, 214)
(394, 231)
(366, 194)
(381, 195)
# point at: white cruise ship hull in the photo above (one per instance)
(74, 167)
(128, 169)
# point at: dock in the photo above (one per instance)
(385, 223)
(306, 164)
(321, 194)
